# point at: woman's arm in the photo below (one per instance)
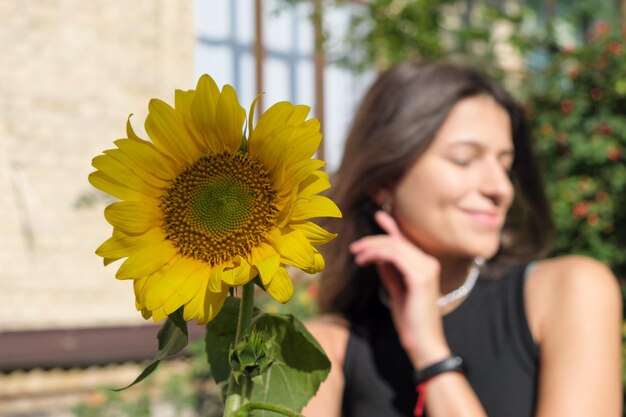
(411, 278)
(332, 335)
(574, 311)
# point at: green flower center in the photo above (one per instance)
(219, 207)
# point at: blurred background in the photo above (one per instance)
(72, 71)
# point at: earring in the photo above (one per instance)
(386, 206)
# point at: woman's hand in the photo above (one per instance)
(411, 278)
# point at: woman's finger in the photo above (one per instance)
(387, 223)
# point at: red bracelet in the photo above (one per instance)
(421, 399)
(451, 364)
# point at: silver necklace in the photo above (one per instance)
(444, 300)
(468, 285)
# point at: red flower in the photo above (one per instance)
(313, 290)
(604, 129)
(593, 219)
(567, 106)
(613, 153)
(614, 47)
(602, 28)
(601, 196)
(601, 62)
(596, 94)
(580, 209)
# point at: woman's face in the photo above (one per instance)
(453, 200)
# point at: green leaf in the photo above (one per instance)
(220, 334)
(300, 366)
(172, 338)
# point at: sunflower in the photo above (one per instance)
(204, 208)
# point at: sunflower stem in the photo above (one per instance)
(246, 309)
(239, 393)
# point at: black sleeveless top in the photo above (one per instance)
(489, 330)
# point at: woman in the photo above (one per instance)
(438, 174)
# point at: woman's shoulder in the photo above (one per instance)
(332, 332)
(571, 276)
(569, 286)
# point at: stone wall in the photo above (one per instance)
(71, 71)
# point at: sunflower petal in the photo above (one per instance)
(300, 171)
(205, 304)
(165, 127)
(114, 169)
(273, 118)
(183, 103)
(232, 117)
(239, 274)
(105, 183)
(132, 217)
(280, 287)
(146, 176)
(203, 113)
(148, 157)
(266, 260)
(314, 206)
(298, 114)
(304, 144)
(121, 245)
(146, 261)
(294, 249)
(195, 282)
(162, 285)
(315, 183)
(314, 233)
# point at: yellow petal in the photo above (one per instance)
(146, 156)
(162, 285)
(158, 314)
(280, 287)
(299, 172)
(146, 261)
(165, 127)
(138, 285)
(114, 169)
(271, 151)
(314, 233)
(315, 183)
(298, 115)
(145, 175)
(304, 144)
(121, 245)
(294, 249)
(273, 118)
(313, 207)
(145, 313)
(183, 102)
(232, 116)
(105, 183)
(205, 304)
(195, 283)
(132, 217)
(266, 260)
(215, 278)
(203, 113)
(239, 274)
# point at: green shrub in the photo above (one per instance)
(577, 105)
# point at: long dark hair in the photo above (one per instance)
(396, 122)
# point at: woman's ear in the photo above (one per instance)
(384, 199)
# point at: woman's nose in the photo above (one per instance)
(496, 183)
